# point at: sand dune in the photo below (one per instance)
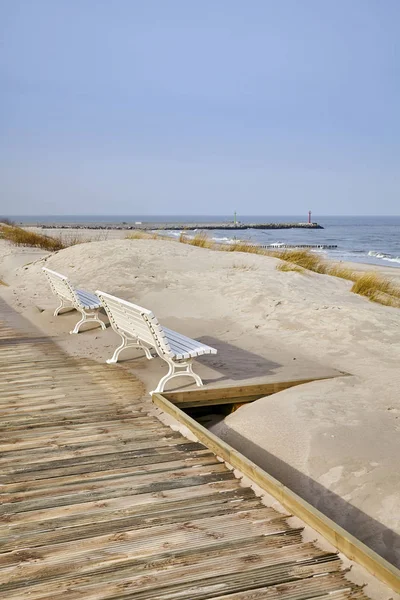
(336, 442)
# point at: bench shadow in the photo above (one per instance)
(372, 533)
(234, 362)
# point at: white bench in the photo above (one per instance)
(139, 328)
(86, 303)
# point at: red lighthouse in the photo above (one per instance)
(309, 216)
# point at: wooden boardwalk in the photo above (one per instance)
(102, 501)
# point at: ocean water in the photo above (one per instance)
(374, 240)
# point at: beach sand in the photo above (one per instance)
(335, 442)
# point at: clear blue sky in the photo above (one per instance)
(199, 106)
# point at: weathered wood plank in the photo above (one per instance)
(119, 508)
(118, 460)
(104, 476)
(126, 489)
(122, 505)
(117, 479)
(187, 569)
(231, 394)
(164, 445)
(14, 541)
(148, 587)
(103, 566)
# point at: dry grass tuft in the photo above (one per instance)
(72, 239)
(139, 235)
(64, 239)
(146, 235)
(302, 258)
(244, 267)
(377, 288)
(2, 282)
(201, 240)
(241, 246)
(21, 237)
(312, 262)
(287, 266)
(341, 272)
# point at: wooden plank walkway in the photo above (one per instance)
(102, 501)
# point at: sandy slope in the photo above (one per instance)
(336, 442)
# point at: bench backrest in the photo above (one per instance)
(60, 285)
(135, 321)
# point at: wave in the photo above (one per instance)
(225, 240)
(169, 232)
(384, 256)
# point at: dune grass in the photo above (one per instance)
(21, 237)
(201, 240)
(374, 287)
(302, 258)
(138, 234)
(68, 238)
(288, 266)
(65, 239)
(377, 288)
(312, 262)
(242, 267)
(341, 272)
(242, 246)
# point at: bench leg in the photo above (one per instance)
(126, 343)
(62, 305)
(186, 371)
(196, 377)
(87, 318)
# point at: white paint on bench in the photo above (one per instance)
(86, 303)
(139, 328)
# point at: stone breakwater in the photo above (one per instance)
(177, 226)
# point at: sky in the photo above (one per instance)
(200, 107)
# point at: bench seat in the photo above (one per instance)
(88, 300)
(184, 347)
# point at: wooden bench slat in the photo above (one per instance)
(185, 343)
(88, 299)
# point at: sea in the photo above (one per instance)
(372, 240)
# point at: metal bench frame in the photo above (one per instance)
(86, 303)
(139, 328)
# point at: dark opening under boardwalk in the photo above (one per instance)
(101, 500)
